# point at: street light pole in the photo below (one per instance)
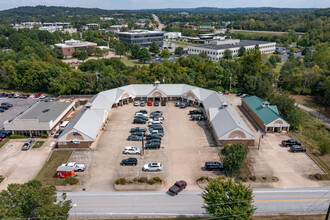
(142, 143)
(75, 211)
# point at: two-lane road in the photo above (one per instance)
(189, 203)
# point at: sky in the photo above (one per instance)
(154, 4)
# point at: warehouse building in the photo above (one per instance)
(143, 38)
(266, 116)
(215, 50)
(40, 118)
(223, 120)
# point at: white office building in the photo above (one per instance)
(172, 35)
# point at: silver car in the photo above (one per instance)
(153, 167)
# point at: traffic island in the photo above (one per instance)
(142, 183)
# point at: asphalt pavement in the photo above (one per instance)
(189, 203)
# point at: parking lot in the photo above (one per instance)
(184, 150)
(19, 106)
(21, 166)
(272, 159)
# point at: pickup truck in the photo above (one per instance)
(178, 187)
(77, 166)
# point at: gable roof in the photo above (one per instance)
(267, 113)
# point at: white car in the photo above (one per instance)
(153, 167)
(132, 150)
(152, 122)
(42, 96)
(31, 96)
(137, 103)
(155, 132)
(77, 166)
(140, 113)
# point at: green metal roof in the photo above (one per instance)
(206, 26)
(267, 113)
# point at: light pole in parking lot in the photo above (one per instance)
(261, 135)
(142, 143)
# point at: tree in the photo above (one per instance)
(144, 55)
(179, 51)
(98, 52)
(33, 200)
(324, 147)
(235, 156)
(90, 50)
(226, 199)
(295, 118)
(203, 55)
(241, 51)
(165, 53)
(251, 63)
(83, 55)
(228, 54)
(135, 50)
(120, 49)
(154, 48)
(257, 47)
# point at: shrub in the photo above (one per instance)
(151, 182)
(71, 180)
(136, 179)
(253, 178)
(264, 178)
(121, 181)
(143, 179)
(324, 147)
(202, 178)
(244, 179)
(318, 176)
(157, 179)
(44, 136)
(16, 136)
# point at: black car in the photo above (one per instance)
(129, 161)
(2, 135)
(239, 94)
(134, 138)
(290, 142)
(156, 127)
(139, 121)
(297, 148)
(58, 133)
(153, 136)
(196, 112)
(142, 117)
(6, 107)
(6, 132)
(2, 110)
(156, 112)
(156, 103)
(197, 117)
(152, 145)
(184, 104)
(140, 129)
(214, 166)
(153, 141)
(143, 111)
(138, 133)
(163, 103)
(7, 104)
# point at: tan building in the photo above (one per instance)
(71, 45)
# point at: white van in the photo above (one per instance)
(64, 124)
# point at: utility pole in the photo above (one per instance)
(328, 212)
(142, 143)
(230, 81)
(261, 135)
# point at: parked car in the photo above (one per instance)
(138, 133)
(156, 113)
(129, 161)
(2, 109)
(42, 96)
(156, 120)
(159, 132)
(163, 103)
(142, 117)
(152, 145)
(156, 103)
(197, 117)
(132, 150)
(27, 144)
(178, 187)
(137, 103)
(141, 129)
(143, 103)
(153, 136)
(80, 167)
(139, 121)
(239, 94)
(49, 99)
(177, 104)
(184, 104)
(5, 132)
(7, 104)
(214, 166)
(143, 111)
(297, 148)
(156, 140)
(140, 113)
(149, 103)
(196, 111)
(153, 167)
(134, 138)
(156, 127)
(3, 136)
(58, 133)
(290, 142)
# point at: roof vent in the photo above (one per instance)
(46, 110)
(224, 104)
(88, 105)
(157, 83)
(265, 104)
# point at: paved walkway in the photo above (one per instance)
(316, 114)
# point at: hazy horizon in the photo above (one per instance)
(163, 4)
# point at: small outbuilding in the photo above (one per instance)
(64, 171)
(265, 115)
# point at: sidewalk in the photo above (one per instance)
(316, 114)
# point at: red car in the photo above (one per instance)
(149, 103)
(37, 95)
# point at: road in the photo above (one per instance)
(189, 203)
(161, 25)
(316, 114)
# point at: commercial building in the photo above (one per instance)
(205, 28)
(214, 50)
(172, 35)
(266, 116)
(143, 38)
(116, 28)
(51, 29)
(223, 120)
(41, 118)
(54, 24)
(71, 45)
(93, 25)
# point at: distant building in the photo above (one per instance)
(62, 24)
(71, 45)
(93, 25)
(205, 28)
(116, 28)
(41, 118)
(140, 24)
(143, 38)
(183, 13)
(265, 115)
(70, 30)
(51, 29)
(172, 35)
(106, 18)
(215, 49)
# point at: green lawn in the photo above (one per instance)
(259, 33)
(38, 144)
(47, 174)
(131, 62)
(3, 142)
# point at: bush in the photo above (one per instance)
(44, 136)
(143, 180)
(244, 179)
(121, 181)
(71, 180)
(324, 147)
(253, 178)
(202, 178)
(157, 179)
(151, 182)
(136, 179)
(318, 176)
(16, 136)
